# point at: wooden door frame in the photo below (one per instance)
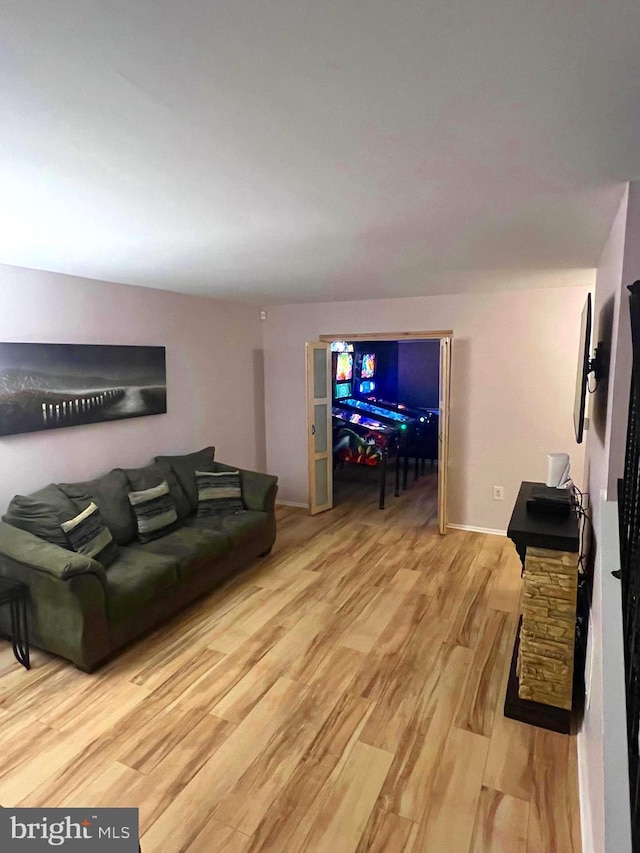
(387, 336)
(445, 395)
(313, 455)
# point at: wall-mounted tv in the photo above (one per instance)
(344, 367)
(582, 375)
(368, 369)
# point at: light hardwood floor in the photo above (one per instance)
(343, 694)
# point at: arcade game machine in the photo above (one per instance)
(427, 430)
(357, 438)
(426, 420)
(364, 381)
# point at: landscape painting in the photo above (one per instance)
(48, 386)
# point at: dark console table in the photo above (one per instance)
(14, 593)
(541, 531)
(549, 540)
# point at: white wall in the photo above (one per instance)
(606, 322)
(620, 401)
(619, 266)
(605, 328)
(513, 379)
(617, 806)
(214, 375)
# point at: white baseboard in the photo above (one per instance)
(586, 823)
(292, 503)
(472, 529)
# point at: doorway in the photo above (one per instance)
(321, 390)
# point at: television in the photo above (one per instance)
(368, 368)
(582, 375)
(343, 389)
(344, 367)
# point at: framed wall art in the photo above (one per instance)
(48, 386)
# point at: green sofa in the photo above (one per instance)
(84, 612)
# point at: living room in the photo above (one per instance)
(238, 271)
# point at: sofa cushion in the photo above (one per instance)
(42, 513)
(88, 534)
(109, 492)
(218, 491)
(258, 490)
(238, 526)
(185, 467)
(155, 513)
(134, 578)
(152, 475)
(190, 547)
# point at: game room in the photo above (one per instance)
(385, 416)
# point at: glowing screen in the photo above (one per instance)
(368, 366)
(344, 367)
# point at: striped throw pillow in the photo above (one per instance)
(218, 492)
(87, 534)
(154, 510)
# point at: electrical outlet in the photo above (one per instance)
(498, 493)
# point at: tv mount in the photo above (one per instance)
(597, 364)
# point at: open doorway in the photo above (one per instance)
(378, 414)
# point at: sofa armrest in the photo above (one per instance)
(66, 603)
(258, 490)
(20, 550)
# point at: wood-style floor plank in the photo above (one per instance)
(365, 629)
(385, 833)
(109, 787)
(246, 694)
(450, 815)
(349, 801)
(501, 824)
(508, 767)
(246, 804)
(23, 780)
(343, 694)
(233, 630)
(554, 827)
(216, 836)
(406, 702)
(408, 787)
(483, 686)
(340, 732)
(184, 818)
(153, 793)
(292, 809)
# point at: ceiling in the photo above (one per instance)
(293, 150)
